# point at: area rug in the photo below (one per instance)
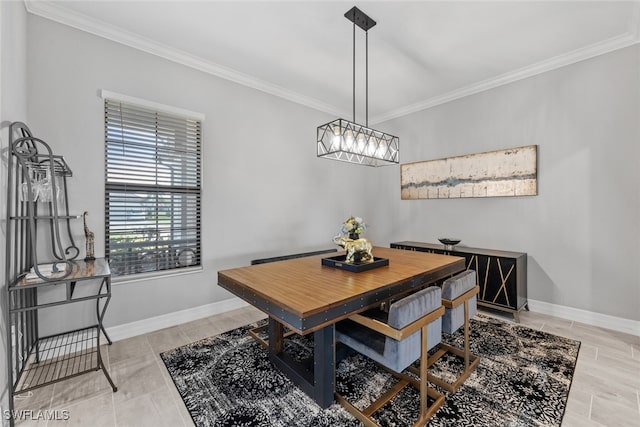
(523, 379)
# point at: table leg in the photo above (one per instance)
(324, 365)
(276, 336)
(316, 378)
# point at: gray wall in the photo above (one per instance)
(13, 107)
(264, 191)
(582, 230)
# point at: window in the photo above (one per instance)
(152, 189)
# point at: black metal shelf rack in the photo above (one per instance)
(37, 204)
(61, 356)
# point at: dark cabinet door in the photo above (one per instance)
(499, 280)
(501, 275)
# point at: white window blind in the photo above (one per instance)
(152, 189)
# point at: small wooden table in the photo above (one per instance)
(307, 297)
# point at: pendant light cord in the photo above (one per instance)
(366, 34)
(354, 71)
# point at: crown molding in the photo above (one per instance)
(631, 37)
(99, 28)
(596, 49)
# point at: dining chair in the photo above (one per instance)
(459, 297)
(396, 340)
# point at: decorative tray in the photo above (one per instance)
(339, 262)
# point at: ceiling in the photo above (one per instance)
(421, 53)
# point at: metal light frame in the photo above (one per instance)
(348, 141)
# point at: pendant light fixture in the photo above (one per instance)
(348, 141)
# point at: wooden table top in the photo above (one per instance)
(304, 287)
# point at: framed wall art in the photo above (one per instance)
(510, 172)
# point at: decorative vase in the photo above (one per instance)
(354, 236)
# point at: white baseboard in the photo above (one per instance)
(140, 327)
(619, 324)
(156, 323)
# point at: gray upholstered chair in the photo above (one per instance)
(395, 340)
(459, 297)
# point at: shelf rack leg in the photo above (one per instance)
(100, 313)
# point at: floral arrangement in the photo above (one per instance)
(353, 225)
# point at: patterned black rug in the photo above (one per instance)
(523, 379)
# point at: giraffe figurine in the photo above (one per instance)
(88, 234)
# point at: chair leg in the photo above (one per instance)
(364, 419)
(470, 360)
(466, 335)
(424, 384)
(256, 334)
(426, 412)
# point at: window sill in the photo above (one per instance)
(143, 277)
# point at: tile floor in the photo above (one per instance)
(605, 390)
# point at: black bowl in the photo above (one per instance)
(449, 242)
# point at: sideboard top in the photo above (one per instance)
(462, 249)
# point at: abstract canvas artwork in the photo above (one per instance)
(510, 172)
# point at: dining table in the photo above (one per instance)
(307, 297)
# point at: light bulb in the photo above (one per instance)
(335, 139)
(348, 139)
(361, 143)
(371, 148)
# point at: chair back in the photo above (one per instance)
(403, 312)
(453, 288)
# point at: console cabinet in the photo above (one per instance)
(501, 275)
